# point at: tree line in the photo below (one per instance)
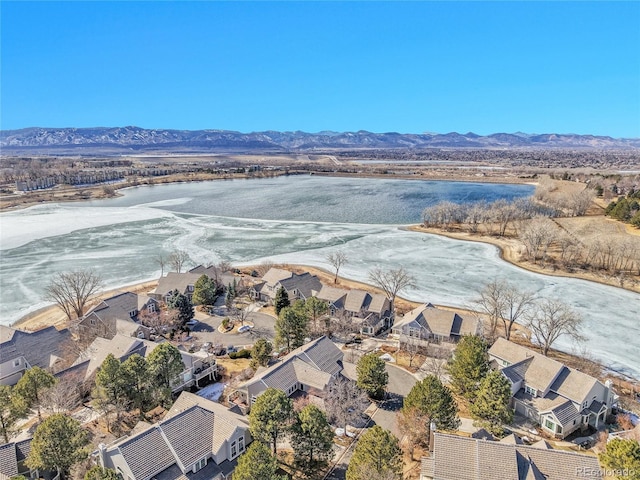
(626, 209)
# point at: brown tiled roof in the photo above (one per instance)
(463, 458)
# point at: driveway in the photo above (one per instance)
(207, 330)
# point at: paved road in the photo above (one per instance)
(400, 384)
(207, 329)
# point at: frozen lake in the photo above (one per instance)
(296, 220)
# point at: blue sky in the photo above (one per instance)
(485, 67)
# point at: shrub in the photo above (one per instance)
(244, 353)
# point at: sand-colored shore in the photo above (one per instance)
(510, 251)
(52, 315)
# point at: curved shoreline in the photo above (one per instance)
(508, 255)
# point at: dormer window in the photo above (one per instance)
(530, 390)
(200, 465)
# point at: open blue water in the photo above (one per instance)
(298, 219)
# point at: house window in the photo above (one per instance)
(241, 444)
(16, 362)
(151, 307)
(92, 321)
(550, 425)
(190, 288)
(133, 313)
(253, 399)
(531, 391)
(200, 465)
(234, 449)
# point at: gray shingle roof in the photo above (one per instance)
(539, 371)
(275, 275)
(117, 307)
(566, 412)
(176, 281)
(573, 384)
(320, 354)
(23, 448)
(438, 321)
(463, 458)
(8, 460)
(305, 283)
(357, 300)
(147, 454)
(193, 429)
(41, 348)
(333, 295)
(196, 425)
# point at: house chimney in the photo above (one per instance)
(432, 431)
(102, 455)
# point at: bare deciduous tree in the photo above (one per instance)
(337, 260)
(502, 301)
(391, 282)
(346, 402)
(537, 235)
(161, 261)
(177, 259)
(71, 291)
(224, 266)
(264, 267)
(550, 320)
(412, 347)
(492, 303)
(64, 396)
(239, 314)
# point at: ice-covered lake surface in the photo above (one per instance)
(296, 219)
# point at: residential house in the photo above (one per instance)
(559, 398)
(428, 323)
(298, 286)
(197, 440)
(172, 281)
(12, 457)
(200, 367)
(112, 314)
(222, 279)
(310, 369)
(20, 350)
(463, 458)
(369, 312)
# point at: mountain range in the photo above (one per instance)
(130, 139)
